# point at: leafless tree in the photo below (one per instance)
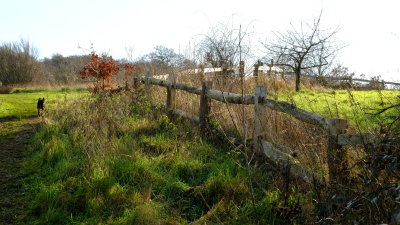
(164, 59)
(18, 63)
(309, 47)
(60, 70)
(223, 46)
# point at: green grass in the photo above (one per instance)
(22, 103)
(8, 129)
(355, 106)
(114, 161)
(16, 108)
(110, 161)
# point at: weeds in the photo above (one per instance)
(113, 161)
(116, 160)
(307, 143)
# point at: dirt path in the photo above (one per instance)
(13, 197)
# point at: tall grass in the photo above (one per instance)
(115, 160)
(307, 143)
(373, 167)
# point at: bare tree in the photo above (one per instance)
(223, 46)
(18, 63)
(164, 59)
(309, 47)
(62, 70)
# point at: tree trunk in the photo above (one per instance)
(297, 72)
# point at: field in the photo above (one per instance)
(22, 103)
(18, 123)
(102, 164)
(115, 160)
(356, 106)
(19, 107)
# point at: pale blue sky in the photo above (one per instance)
(371, 29)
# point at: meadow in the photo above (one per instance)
(117, 160)
(113, 161)
(21, 103)
(356, 106)
(18, 108)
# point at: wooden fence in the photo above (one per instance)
(351, 80)
(274, 69)
(335, 129)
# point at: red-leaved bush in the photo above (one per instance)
(102, 69)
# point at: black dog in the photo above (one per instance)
(40, 106)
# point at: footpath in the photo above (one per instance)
(14, 199)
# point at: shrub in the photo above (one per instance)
(103, 69)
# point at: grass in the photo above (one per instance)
(16, 108)
(8, 129)
(22, 103)
(111, 161)
(356, 106)
(102, 160)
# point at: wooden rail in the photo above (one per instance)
(353, 79)
(364, 80)
(233, 98)
(334, 128)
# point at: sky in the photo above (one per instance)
(370, 30)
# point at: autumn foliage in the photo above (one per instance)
(101, 71)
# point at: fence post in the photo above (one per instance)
(259, 117)
(171, 93)
(224, 73)
(255, 72)
(270, 68)
(205, 108)
(147, 82)
(336, 154)
(241, 69)
(256, 68)
(202, 72)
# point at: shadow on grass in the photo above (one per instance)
(146, 131)
(15, 118)
(11, 126)
(46, 90)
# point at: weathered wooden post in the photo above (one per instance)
(201, 71)
(259, 117)
(224, 73)
(171, 93)
(241, 69)
(255, 72)
(205, 107)
(256, 68)
(270, 67)
(336, 154)
(147, 81)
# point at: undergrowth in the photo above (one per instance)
(116, 160)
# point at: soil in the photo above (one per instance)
(14, 198)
